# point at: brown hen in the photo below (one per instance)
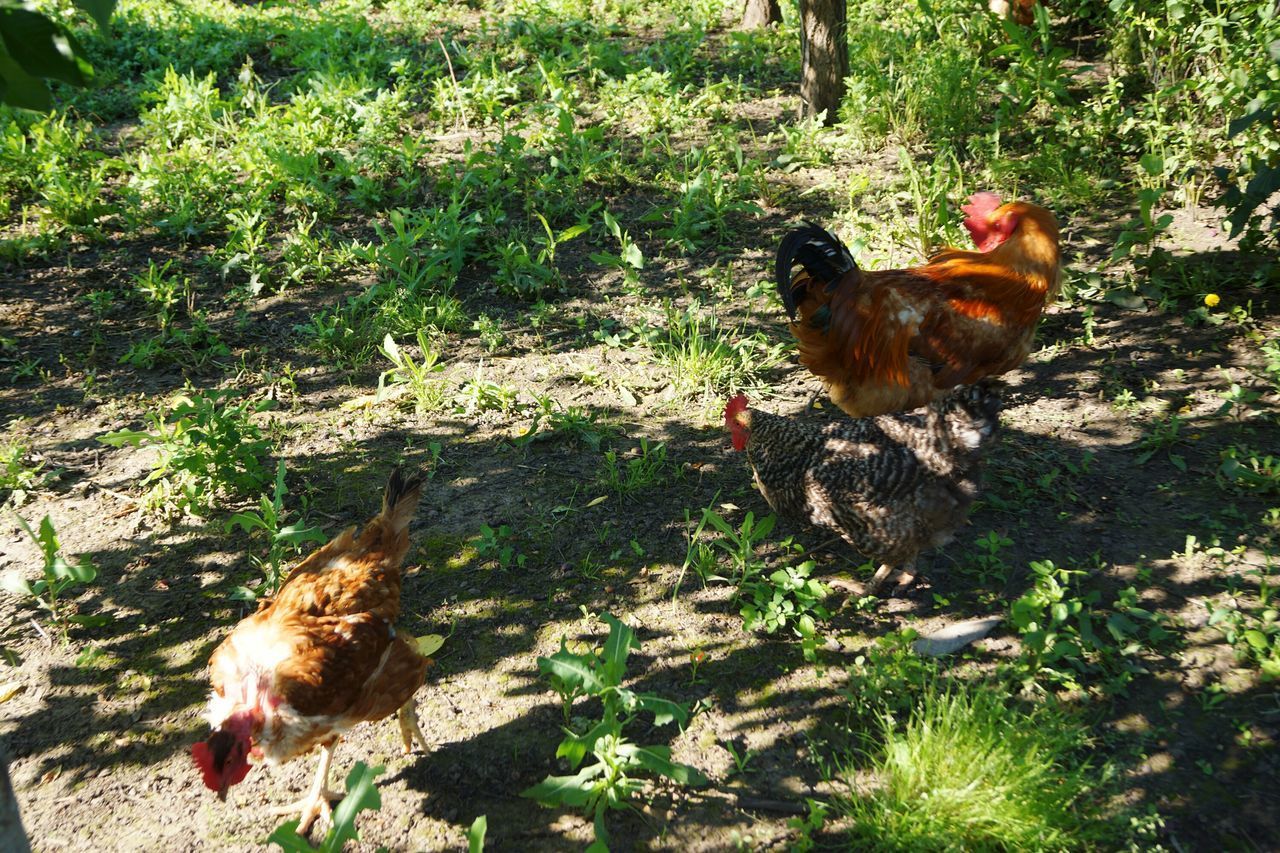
(892, 340)
(319, 659)
(890, 486)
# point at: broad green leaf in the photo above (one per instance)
(298, 533)
(20, 89)
(361, 794)
(13, 582)
(242, 593)
(620, 643)
(719, 523)
(664, 710)
(246, 521)
(601, 842)
(605, 259)
(573, 790)
(633, 256)
(571, 232)
(1152, 164)
(91, 621)
(475, 835)
(132, 437)
(391, 349)
(429, 644)
(574, 671)
(99, 10)
(657, 759)
(1257, 639)
(574, 748)
(81, 570)
(42, 47)
(287, 838)
(765, 527)
(1121, 626)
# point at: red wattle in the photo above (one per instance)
(204, 760)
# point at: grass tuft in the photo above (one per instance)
(966, 771)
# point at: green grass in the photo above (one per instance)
(966, 770)
(575, 203)
(709, 360)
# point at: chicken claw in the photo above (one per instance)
(311, 808)
(410, 731)
(316, 803)
(903, 578)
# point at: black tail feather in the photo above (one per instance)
(400, 500)
(821, 254)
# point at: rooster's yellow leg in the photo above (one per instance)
(410, 731)
(316, 803)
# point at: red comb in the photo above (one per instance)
(733, 408)
(981, 205)
(978, 220)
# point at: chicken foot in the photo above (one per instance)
(410, 731)
(903, 578)
(316, 803)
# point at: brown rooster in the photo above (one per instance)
(892, 340)
(319, 659)
(891, 486)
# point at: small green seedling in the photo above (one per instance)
(59, 575)
(611, 781)
(269, 518)
(427, 391)
(208, 444)
(627, 476)
(741, 757)
(498, 543)
(475, 835)
(788, 597)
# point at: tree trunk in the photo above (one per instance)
(824, 57)
(760, 13)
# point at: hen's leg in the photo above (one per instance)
(316, 803)
(902, 579)
(906, 576)
(410, 731)
(878, 578)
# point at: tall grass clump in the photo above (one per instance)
(706, 358)
(966, 771)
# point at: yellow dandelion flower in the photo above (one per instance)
(1211, 300)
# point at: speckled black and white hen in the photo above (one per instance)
(891, 485)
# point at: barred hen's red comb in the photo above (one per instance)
(734, 408)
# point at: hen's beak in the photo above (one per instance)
(222, 793)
